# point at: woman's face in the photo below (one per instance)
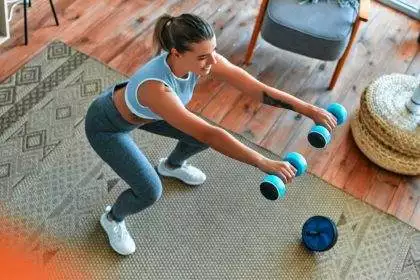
(200, 58)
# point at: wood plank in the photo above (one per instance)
(108, 39)
(338, 171)
(241, 113)
(360, 179)
(413, 184)
(415, 217)
(383, 189)
(104, 41)
(228, 96)
(203, 93)
(404, 200)
(260, 123)
(282, 133)
(413, 68)
(407, 51)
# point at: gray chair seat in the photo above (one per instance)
(325, 25)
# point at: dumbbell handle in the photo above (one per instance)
(272, 187)
(297, 161)
(319, 136)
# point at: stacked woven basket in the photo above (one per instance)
(384, 130)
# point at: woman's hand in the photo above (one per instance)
(282, 169)
(322, 117)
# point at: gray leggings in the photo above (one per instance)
(108, 134)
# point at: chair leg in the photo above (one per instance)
(25, 20)
(343, 58)
(53, 10)
(257, 28)
(29, 3)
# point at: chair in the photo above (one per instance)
(324, 30)
(26, 3)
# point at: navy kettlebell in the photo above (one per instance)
(272, 187)
(319, 136)
(319, 234)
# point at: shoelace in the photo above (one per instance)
(120, 230)
(185, 164)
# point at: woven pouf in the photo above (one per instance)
(382, 127)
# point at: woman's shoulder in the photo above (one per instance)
(152, 68)
(156, 61)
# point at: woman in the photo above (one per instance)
(154, 99)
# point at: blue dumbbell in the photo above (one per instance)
(319, 136)
(272, 187)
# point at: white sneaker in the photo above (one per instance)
(119, 238)
(186, 173)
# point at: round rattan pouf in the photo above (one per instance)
(384, 129)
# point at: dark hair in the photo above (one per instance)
(180, 32)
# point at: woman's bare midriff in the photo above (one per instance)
(119, 101)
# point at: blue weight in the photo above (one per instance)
(319, 136)
(338, 111)
(298, 161)
(319, 234)
(272, 187)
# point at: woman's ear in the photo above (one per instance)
(175, 53)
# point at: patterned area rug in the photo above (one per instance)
(54, 188)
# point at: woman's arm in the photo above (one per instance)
(165, 103)
(246, 83)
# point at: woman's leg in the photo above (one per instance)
(121, 153)
(187, 146)
(109, 136)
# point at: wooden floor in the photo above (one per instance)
(118, 33)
